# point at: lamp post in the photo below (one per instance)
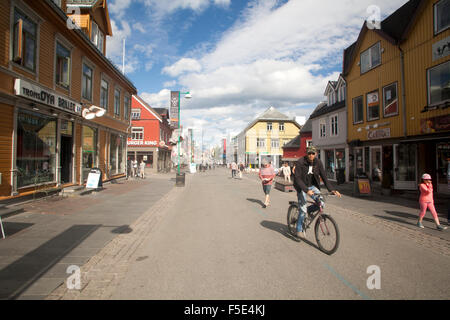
(187, 96)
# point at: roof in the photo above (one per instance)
(294, 143)
(161, 111)
(393, 28)
(93, 5)
(146, 106)
(327, 109)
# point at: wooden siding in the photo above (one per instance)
(6, 132)
(5, 34)
(360, 84)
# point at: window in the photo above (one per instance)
(341, 93)
(441, 16)
(322, 129)
(269, 126)
(127, 107)
(358, 109)
(334, 125)
(135, 114)
(97, 36)
(117, 102)
(101, 41)
(439, 84)
(104, 91)
(373, 106)
(25, 43)
(371, 58)
(275, 143)
(62, 66)
(260, 142)
(390, 100)
(281, 126)
(87, 82)
(309, 143)
(137, 133)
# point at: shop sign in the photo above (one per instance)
(174, 105)
(431, 125)
(36, 93)
(379, 134)
(441, 49)
(142, 143)
(364, 186)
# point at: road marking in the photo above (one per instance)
(348, 284)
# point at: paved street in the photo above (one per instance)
(213, 240)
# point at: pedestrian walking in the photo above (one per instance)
(142, 169)
(241, 169)
(426, 201)
(286, 172)
(135, 168)
(233, 169)
(266, 174)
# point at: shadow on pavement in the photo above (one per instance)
(414, 217)
(12, 228)
(17, 277)
(256, 201)
(394, 220)
(122, 229)
(283, 229)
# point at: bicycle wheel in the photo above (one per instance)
(292, 217)
(327, 234)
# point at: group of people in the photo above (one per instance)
(136, 169)
(237, 170)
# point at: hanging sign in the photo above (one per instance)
(174, 104)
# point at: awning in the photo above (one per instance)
(289, 159)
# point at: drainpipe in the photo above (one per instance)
(402, 66)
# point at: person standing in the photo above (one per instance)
(135, 168)
(426, 201)
(286, 172)
(233, 169)
(241, 169)
(266, 174)
(142, 169)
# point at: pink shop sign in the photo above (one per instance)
(379, 134)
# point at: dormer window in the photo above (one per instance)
(97, 36)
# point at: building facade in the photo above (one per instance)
(398, 95)
(150, 135)
(65, 107)
(329, 131)
(264, 137)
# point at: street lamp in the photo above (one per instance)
(187, 96)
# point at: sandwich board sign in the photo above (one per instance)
(93, 180)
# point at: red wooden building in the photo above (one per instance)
(150, 134)
(296, 148)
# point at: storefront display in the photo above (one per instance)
(90, 137)
(329, 164)
(443, 172)
(36, 149)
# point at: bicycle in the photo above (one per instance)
(326, 230)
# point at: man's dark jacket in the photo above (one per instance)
(301, 172)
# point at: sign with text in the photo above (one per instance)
(93, 180)
(141, 143)
(435, 124)
(39, 94)
(379, 134)
(174, 104)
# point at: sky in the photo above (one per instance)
(237, 58)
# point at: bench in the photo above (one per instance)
(284, 186)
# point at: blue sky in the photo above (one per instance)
(236, 57)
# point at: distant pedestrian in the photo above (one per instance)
(233, 169)
(241, 169)
(266, 174)
(286, 172)
(426, 201)
(135, 167)
(142, 169)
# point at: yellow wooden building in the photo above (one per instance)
(398, 93)
(265, 137)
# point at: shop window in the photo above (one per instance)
(390, 100)
(62, 66)
(117, 102)
(443, 157)
(329, 164)
(24, 41)
(104, 92)
(373, 106)
(90, 138)
(439, 84)
(36, 149)
(113, 153)
(87, 82)
(441, 16)
(371, 58)
(121, 155)
(358, 110)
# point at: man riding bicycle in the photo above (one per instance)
(308, 171)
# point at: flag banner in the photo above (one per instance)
(174, 103)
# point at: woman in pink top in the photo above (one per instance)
(426, 202)
(266, 174)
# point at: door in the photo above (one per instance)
(405, 171)
(66, 159)
(375, 164)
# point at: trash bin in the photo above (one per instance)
(180, 179)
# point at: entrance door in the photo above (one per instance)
(375, 164)
(405, 171)
(66, 159)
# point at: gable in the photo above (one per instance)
(145, 109)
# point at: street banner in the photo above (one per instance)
(174, 103)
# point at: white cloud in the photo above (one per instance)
(181, 66)
(139, 27)
(169, 84)
(118, 7)
(162, 8)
